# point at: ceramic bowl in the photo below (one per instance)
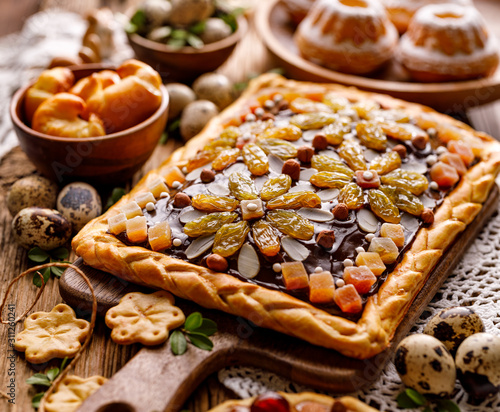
(104, 159)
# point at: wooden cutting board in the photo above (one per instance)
(156, 380)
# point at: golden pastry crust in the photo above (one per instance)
(294, 399)
(281, 312)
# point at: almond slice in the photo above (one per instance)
(275, 164)
(370, 154)
(307, 173)
(316, 215)
(328, 194)
(330, 153)
(248, 262)
(195, 174)
(189, 213)
(409, 222)
(297, 251)
(302, 187)
(199, 246)
(218, 189)
(237, 167)
(414, 166)
(367, 221)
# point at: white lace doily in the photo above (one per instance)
(475, 282)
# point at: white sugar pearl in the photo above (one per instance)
(163, 195)
(278, 98)
(252, 207)
(259, 111)
(177, 242)
(268, 104)
(431, 159)
(369, 237)
(184, 170)
(176, 184)
(250, 117)
(150, 206)
(348, 262)
(434, 186)
(360, 250)
(441, 149)
(319, 269)
(431, 131)
(340, 282)
(277, 267)
(368, 175)
(246, 137)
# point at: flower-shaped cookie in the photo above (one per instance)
(71, 393)
(144, 318)
(54, 334)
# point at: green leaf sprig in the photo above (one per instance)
(46, 380)
(197, 329)
(41, 256)
(412, 399)
(116, 195)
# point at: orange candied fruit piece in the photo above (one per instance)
(367, 179)
(160, 236)
(322, 287)
(372, 261)
(348, 300)
(455, 161)
(137, 229)
(294, 275)
(174, 174)
(464, 151)
(361, 277)
(395, 232)
(444, 175)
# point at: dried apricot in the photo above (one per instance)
(225, 158)
(330, 180)
(325, 163)
(404, 200)
(278, 147)
(229, 238)
(206, 225)
(383, 207)
(291, 223)
(406, 179)
(353, 155)
(307, 121)
(386, 163)
(275, 186)
(266, 238)
(255, 159)
(295, 200)
(242, 187)
(210, 203)
(352, 196)
(371, 135)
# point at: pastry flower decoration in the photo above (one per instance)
(71, 393)
(144, 318)
(54, 334)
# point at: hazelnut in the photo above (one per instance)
(291, 168)
(401, 150)
(338, 406)
(341, 211)
(207, 175)
(181, 200)
(427, 216)
(420, 141)
(305, 153)
(282, 105)
(217, 262)
(326, 239)
(319, 142)
(268, 116)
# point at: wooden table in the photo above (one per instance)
(103, 357)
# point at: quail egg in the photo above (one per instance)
(188, 12)
(214, 87)
(195, 116)
(452, 325)
(42, 227)
(424, 364)
(478, 365)
(79, 203)
(31, 191)
(180, 96)
(215, 29)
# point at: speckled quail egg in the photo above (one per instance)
(215, 29)
(157, 12)
(452, 325)
(424, 364)
(180, 96)
(214, 87)
(31, 191)
(195, 116)
(187, 12)
(79, 203)
(42, 227)
(478, 365)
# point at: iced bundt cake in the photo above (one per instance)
(401, 11)
(297, 8)
(351, 36)
(447, 42)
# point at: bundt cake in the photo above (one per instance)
(297, 9)
(350, 36)
(447, 42)
(401, 11)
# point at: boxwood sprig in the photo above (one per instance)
(196, 330)
(41, 256)
(412, 399)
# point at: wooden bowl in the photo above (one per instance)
(104, 159)
(187, 63)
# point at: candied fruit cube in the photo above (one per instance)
(455, 161)
(137, 229)
(386, 248)
(160, 236)
(251, 209)
(143, 199)
(131, 209)
(294, 275)
(367, 179)
(444, 175)
(157, 186)
(361, 277)
(117, 223)
(321, 287)
(174, 174)
(464, 151)
(394, 232)
(372, 261)
(348, 300)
